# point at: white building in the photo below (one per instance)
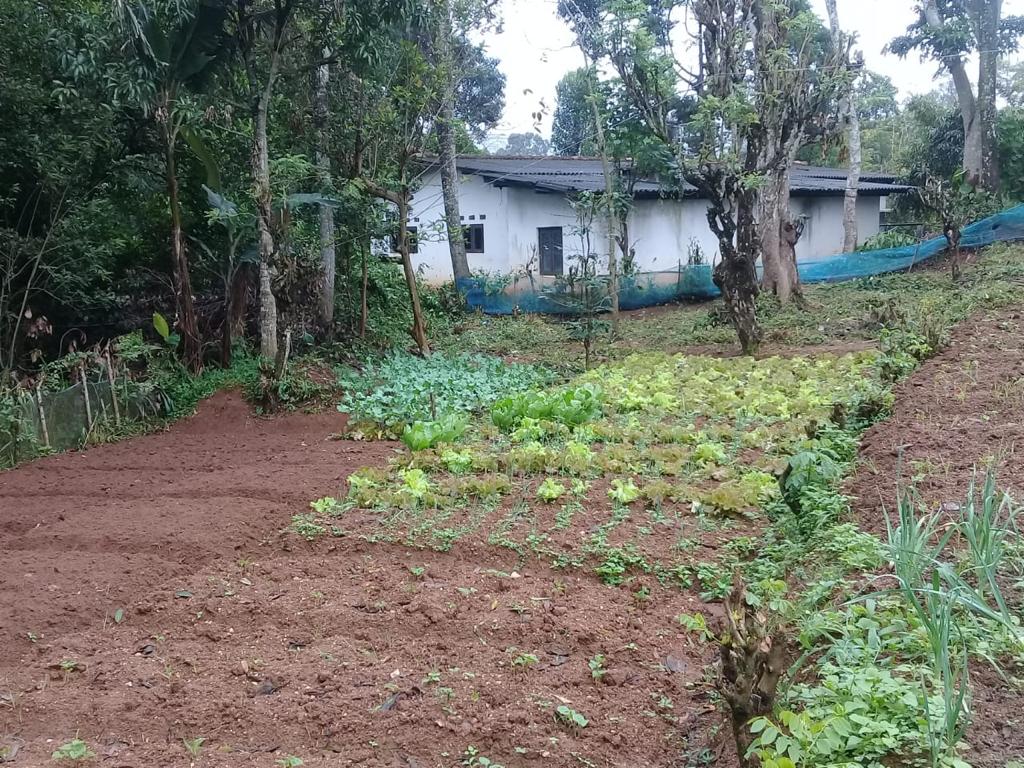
(518, 219)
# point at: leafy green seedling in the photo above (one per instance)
(193, 746)
(568, 716)
(623, 491)
(524, 660)
(697, 624)
(550, 490)
(75, 750)
(473, 759)
(328, 505)
(596, 664)
(289, 761)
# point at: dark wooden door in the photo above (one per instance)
(549, 244)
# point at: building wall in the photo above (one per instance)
(663, 232)
(823, 230)
(480, 203)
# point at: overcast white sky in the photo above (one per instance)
(536, 49)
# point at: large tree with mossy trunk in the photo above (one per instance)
(766, 81)
(950, 31)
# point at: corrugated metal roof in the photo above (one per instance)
(583, 174)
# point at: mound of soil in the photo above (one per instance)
(961, 412)
(149, 597)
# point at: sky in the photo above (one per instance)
(536, 48)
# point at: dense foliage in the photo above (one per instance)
(126, 151)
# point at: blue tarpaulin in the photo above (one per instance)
(694, 282)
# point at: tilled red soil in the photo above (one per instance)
(340, 652)
(962, 411)
(345, 652)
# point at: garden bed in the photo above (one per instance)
(162, 596)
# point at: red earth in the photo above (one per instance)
(958, 414)
(150, 596)
(340, 652)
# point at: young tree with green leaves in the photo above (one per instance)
(585, 24)
(401, 121)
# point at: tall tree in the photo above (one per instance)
(797, 82)
(719, 159)
(572, 129)
(526, 144)
(851, 122)
(589, 40)
(442, 44)
(262, 66)
(949, 31)
(401, 121)
(465, 78)
(322, 53)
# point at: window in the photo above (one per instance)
(474, 235)
(412, 234)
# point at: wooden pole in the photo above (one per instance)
(113, 389)
(42, 416)
(88, 403)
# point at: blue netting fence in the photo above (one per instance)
(649, 289)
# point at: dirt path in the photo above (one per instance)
(962, 410)
(341, 652)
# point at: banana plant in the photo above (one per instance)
(178, 50)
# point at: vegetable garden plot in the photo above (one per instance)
(654, 467)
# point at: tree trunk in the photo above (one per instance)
(450, 190)
(752, 664)
(364, 308)
(264, 220)
(851, 121)
(609, 192)
(974, 135)
(260, 92)
(988, 13)
(738, 284)
(225, 332)
(735, 274)
(239, 303)
(186, 320)
(419, 328)
(778, 257)
(446, 147)
(328, 264)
